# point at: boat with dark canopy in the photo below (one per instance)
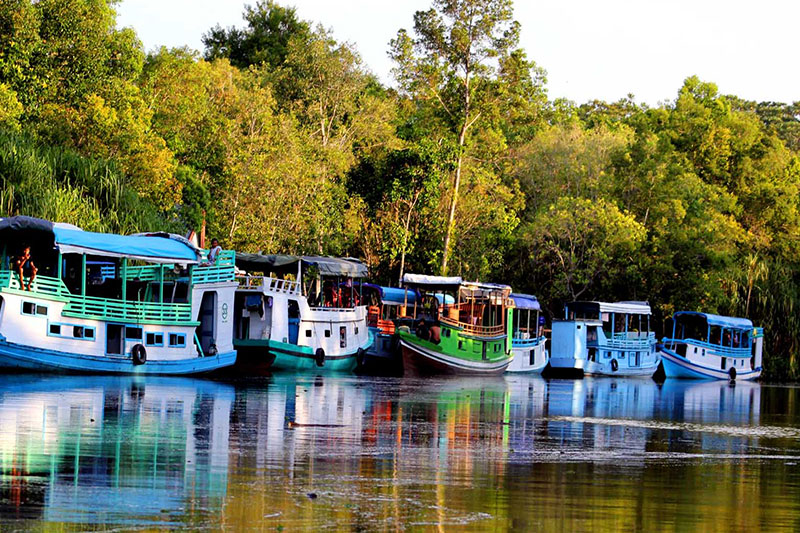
(300, 313)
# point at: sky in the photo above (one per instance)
(590, 49)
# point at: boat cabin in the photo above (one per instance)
(605, 338)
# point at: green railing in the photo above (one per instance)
(42, 285)
(79, 306)
(223, 269)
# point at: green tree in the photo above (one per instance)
(451, 65)
(265, 40)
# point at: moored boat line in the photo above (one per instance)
(157, 304)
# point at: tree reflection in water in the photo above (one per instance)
(348, 453)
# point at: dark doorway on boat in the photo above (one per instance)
(293, 311)
(206, 331)
(115, 341)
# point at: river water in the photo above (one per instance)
(386, 454)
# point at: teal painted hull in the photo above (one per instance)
(299, 359)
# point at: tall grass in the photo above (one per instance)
(61, 185)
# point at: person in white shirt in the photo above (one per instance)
(214, 252)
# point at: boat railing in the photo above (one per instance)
(474, 329)
(91, 307)
(268, 284)
(628, 341)
(522, 343)
(223, 269)
(334, 309)
(715, 349)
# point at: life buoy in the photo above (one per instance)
(319, 357)
(732, 374)
(139, 354)
(614, 365)
(212, 350)
(361, 357)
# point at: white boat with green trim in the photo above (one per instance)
(297, 313)
(104, 303)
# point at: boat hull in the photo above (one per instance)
(521, 361)
(419, 360)
(676, 366)
(17, 357)
(285, 357)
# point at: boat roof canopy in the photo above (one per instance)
(432, 283)
(626, 307)
(718, 320)
(526, 301)
(156, 247)
(327, 266)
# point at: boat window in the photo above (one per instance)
(356, 330)
(327, 333)
(177, 340)
(343, 337)
(716, 335)
(154, 339)
(31, 309)
(133, 334)
(55, 329)
(308, 333)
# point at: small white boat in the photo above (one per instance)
(104, 303)
(302, 313)
(528, 341)
(607, 339)
(706, 346)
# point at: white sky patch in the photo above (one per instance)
(590, 49)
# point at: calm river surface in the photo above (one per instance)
(385, 454)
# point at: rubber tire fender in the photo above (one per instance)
(732, 374)
(361, 357)
(138, 354)
(212, 350)
(319, 357)
(614, 365)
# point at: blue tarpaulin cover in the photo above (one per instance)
(718, 320)
(526, 301)
(161, 248)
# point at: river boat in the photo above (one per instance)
(528, 341)
(706, 346)
(605, 339)
(300, 313)
(104, 303)
(469, 336)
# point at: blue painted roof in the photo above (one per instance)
(526, 301)
(152, 248)
(719, 320)
(396, 296)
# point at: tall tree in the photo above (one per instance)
(265, 40)
(451, 63)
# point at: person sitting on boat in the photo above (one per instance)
(213, 253)
(330, 295)
(23, 265)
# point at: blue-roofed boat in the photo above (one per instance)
(605, 339)
(104, 303)
(528, 342)
(707, 346)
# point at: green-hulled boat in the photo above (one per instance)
(472, 335)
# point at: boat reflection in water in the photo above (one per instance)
(385, 454)
(117, 450)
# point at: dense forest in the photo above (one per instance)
(281, 140)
